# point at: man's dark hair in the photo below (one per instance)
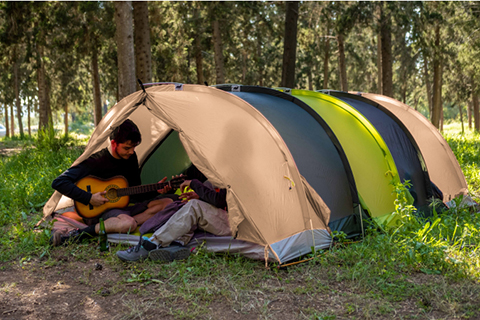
(128, 130)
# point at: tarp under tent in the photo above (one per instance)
(408, 158)
(271, 206)
(441, 163)
(372, 163)
(316, 150)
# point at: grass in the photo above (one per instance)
(432, 265)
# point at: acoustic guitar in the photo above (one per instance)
(117, 192)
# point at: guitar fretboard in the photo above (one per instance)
(141, 189)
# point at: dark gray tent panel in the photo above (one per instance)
(408, 159)
(318, 155)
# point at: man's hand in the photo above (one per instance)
(185, 184)
(98, 199)
(186, 196)
(164, 189)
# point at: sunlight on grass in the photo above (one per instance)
(466, 148)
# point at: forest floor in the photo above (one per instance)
(78, 282)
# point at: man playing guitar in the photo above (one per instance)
(119, 159)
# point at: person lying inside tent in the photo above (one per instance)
(204, 209)
(119, 159)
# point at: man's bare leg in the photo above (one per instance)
(121, 224)
(153, 207)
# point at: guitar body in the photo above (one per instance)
(94, 185)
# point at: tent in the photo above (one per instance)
(442, 166)
(406, 154)
(271, 206)
(296, 165)
(316, 150)
(372, 163)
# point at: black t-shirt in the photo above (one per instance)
(101, 165)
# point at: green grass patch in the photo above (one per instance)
(26, 179)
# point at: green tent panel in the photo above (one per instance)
(371, 161)
(159, 163)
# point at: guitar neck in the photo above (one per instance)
(141, 189)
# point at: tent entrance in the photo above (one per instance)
(167, 159)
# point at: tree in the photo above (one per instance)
(13, 35)
(126, 55)
(327, 54)
(216, 12)
(386, 45)
(197, 36)
(143, 51)
(40, 43)
(290, 44)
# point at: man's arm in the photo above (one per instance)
(217, 199)
(65, 184)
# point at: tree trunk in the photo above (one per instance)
(326, 57)
(197, 45)
(379, 50)
(290, 45)
(310, 78)
(43, 114)
(469, 114)
(143, 50)
(259, 59)
(198, 57)
(97, 98)
(29, 124)
(65, 118)
(379, 63)
(49, 105)
(325, 63)
(386, 44)
(218, 47)
(342, 66)
(126, 55)
(12, 120)
(441, 120)
(404, 86)
(16, 85)
(7, 124)
(428, 84)
(476, 114)
(461, 117)
(437, 81)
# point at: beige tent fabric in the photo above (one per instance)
(234, 146)
(441, 163)
(317, 203)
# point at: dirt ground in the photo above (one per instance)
(80, 291)
(65, 287)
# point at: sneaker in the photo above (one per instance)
(170, 253)
(135, 253)
(60, 237)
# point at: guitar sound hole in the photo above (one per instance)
(111, 194)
